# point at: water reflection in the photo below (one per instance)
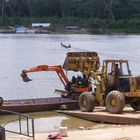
(45, 122)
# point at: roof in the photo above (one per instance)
(72, 27)
(41, 25)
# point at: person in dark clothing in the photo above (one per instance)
(85, 80)
(73, 80)
(117, 71)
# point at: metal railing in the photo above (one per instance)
(29, 129)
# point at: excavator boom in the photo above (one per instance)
(58, 69)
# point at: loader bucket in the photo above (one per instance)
(81, 61)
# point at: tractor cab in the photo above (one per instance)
(116, 74)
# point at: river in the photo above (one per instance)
(20, 51)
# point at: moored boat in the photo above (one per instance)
(65, 46)
(21, 30)
(36, 105)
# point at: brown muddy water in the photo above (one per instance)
(45, 122)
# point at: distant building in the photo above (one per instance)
(72, 28)
(41, 25)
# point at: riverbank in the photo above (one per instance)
(76, 25)
(100, 132)
(40, 31)
(100, 31)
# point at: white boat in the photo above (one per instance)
(65, 46)
(21, 30)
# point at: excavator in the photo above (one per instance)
(73, 88)
(99, 85)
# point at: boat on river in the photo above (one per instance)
(36, 105)
(21, 30)
(65, 46)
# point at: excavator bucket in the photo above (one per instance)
(81, 61)
(25, 77)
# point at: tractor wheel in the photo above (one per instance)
(86, 102)
(135, 105)
(115, 102)
(1, 100)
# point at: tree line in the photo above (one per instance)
(96, 15)
(106, 9)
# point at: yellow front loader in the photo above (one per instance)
(109, 89)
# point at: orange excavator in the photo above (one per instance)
(73, 88)
(83, 62)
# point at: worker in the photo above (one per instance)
(85, 81)
(79, 80)
(73, 80)
(117, 72)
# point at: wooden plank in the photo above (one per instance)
(99, 114)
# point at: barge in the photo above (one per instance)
(36, 105)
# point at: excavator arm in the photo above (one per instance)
(58, 69)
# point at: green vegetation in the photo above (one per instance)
(98, 16)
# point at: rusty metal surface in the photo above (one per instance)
(29, 125)
(128, 116)
(79, 61)
(37, 101)
(34, 105)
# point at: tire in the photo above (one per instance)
(86, 102)
(135, 105)
(115, 102)
(1, 101)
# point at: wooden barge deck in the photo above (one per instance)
(129, 116)
(36, 105)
